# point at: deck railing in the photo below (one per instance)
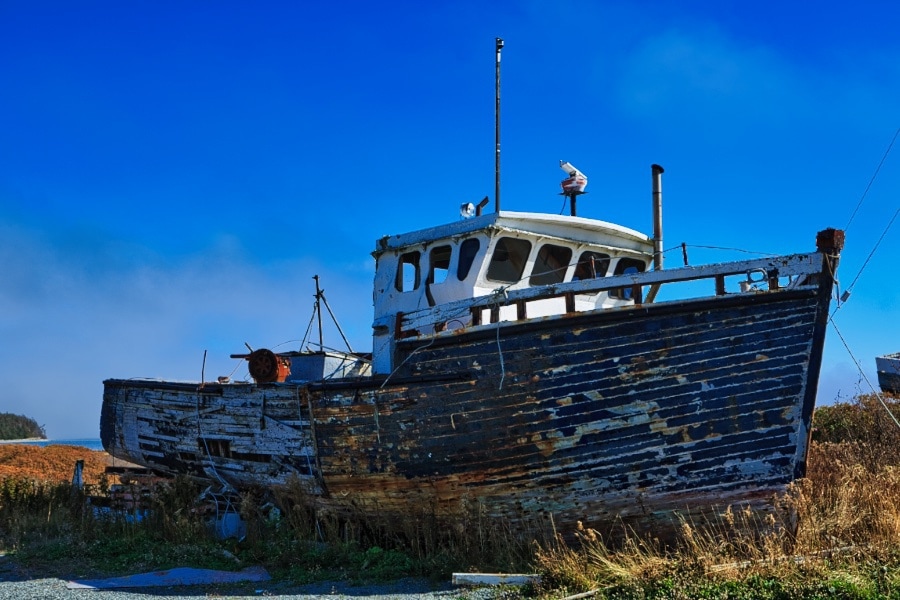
(775, 272)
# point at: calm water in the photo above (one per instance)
(91, 443)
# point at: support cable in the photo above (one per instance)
(312, 318)
(872, 180)
(861, 372)
(336, 324)
(871, 254)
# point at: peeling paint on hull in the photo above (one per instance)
(629, 416)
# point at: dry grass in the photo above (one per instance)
(54, 463)
(842, 502)
(839, 527)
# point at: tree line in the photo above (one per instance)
(18, 427)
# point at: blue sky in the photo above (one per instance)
(172, 174)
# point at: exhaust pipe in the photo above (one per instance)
(657, 217)
(657, 172)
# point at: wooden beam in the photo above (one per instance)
(495, 578)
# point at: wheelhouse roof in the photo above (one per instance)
(575, 229)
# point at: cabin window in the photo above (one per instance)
(624, 267)
(508, 261)
(550, 265)
(591, 265)
(439, 264)
(467, 252)
(408, 272)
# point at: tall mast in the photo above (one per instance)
(499, 46)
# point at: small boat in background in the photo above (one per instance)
(889, 373)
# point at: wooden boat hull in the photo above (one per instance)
(634, 416)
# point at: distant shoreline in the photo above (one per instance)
(89, 443)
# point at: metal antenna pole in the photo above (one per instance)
(319, 312)
(497, 130)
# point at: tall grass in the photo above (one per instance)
(61, 529)
(54, 526)
(302, 538)
(836, 533)
(41, 509)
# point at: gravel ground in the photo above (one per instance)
(15, 583)
(52, 589)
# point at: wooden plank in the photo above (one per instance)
(495, 578)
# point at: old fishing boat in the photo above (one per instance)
(888, 368)
(525, 363)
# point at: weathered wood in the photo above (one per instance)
(251, 433)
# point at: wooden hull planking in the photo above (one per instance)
(628, 416)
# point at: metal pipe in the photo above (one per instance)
(499, 46)
(480, 206)
(657, 217)
(657, 228)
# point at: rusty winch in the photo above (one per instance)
(266, 366)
